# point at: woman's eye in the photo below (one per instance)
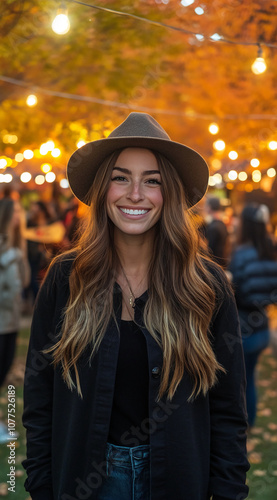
(119, 178)
(153, 181)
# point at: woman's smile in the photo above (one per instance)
(134, 198)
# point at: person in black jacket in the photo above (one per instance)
(134, 384)
(254, 270)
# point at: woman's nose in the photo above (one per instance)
(135, 192)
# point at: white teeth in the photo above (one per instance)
(133, 212)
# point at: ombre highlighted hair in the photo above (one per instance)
(183, 286)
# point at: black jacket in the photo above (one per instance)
(255, 285)
(197, 449)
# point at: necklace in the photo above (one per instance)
(132, 297)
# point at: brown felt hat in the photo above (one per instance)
(139, 130)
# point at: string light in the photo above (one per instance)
(50, 177)
(46, 167)
(242, 176)
(56, 152)
(232, 175)
(199, 11)
(39, 179)
(28, 154)
(254, 162)
(256, 176)
(233, 155)
(79, 144)
(186, 3)
(31, 100)
(61, 24)
(259, 65)
(3, 163)
(219, 145)
(272, 145)
(64, 183)
(19, 157)
(25, 177)
(271, 172)
(213, 128)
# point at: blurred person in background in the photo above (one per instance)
(254, 273)
(14, 275)
(215, 231)
(38, 215)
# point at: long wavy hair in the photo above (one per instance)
(183, 292)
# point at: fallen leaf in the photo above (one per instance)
(267, 436)
(3, 489)
(272, 426)
(266, 412)
(255, 457)
(256, 430)
(259, 472)
(19, 473)
(264, 383)
(274, 439)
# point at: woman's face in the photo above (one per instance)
(134, 198)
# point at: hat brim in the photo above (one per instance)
(85, 161)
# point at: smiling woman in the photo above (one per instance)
(144, 338)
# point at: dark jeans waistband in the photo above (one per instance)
(123, 455)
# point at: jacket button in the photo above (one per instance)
(156, 371)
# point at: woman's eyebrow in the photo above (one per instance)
(145, 172)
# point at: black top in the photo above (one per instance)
(129, 419)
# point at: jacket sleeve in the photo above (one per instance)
(38, 391)
(228, 416)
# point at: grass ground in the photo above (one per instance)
(262, 441)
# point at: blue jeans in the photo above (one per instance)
(128, 473)
(253, 345)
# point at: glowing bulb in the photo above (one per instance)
(28, 154)
(233, 155)
(25, 177)
(80, 144)
(13, 139)
(39, 179)
(56, 152)
(50, 145)
(256, 176)
(259, 65)
(213, 128)
(186, 3)
(19, 157)
(212, 181)
(215, 37)
(50, 177)
(232, 175)
(8, 178)
(3, 163)
(61, 24)
(64, 183)
(43, 149)
(199, 11)
(46, 168)
(254, 162)
(242, 176)
(272, 145)
(31, 100)
(271, 172)
(218, 178)
(199, 37)
(216, 163)
(219, 145)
